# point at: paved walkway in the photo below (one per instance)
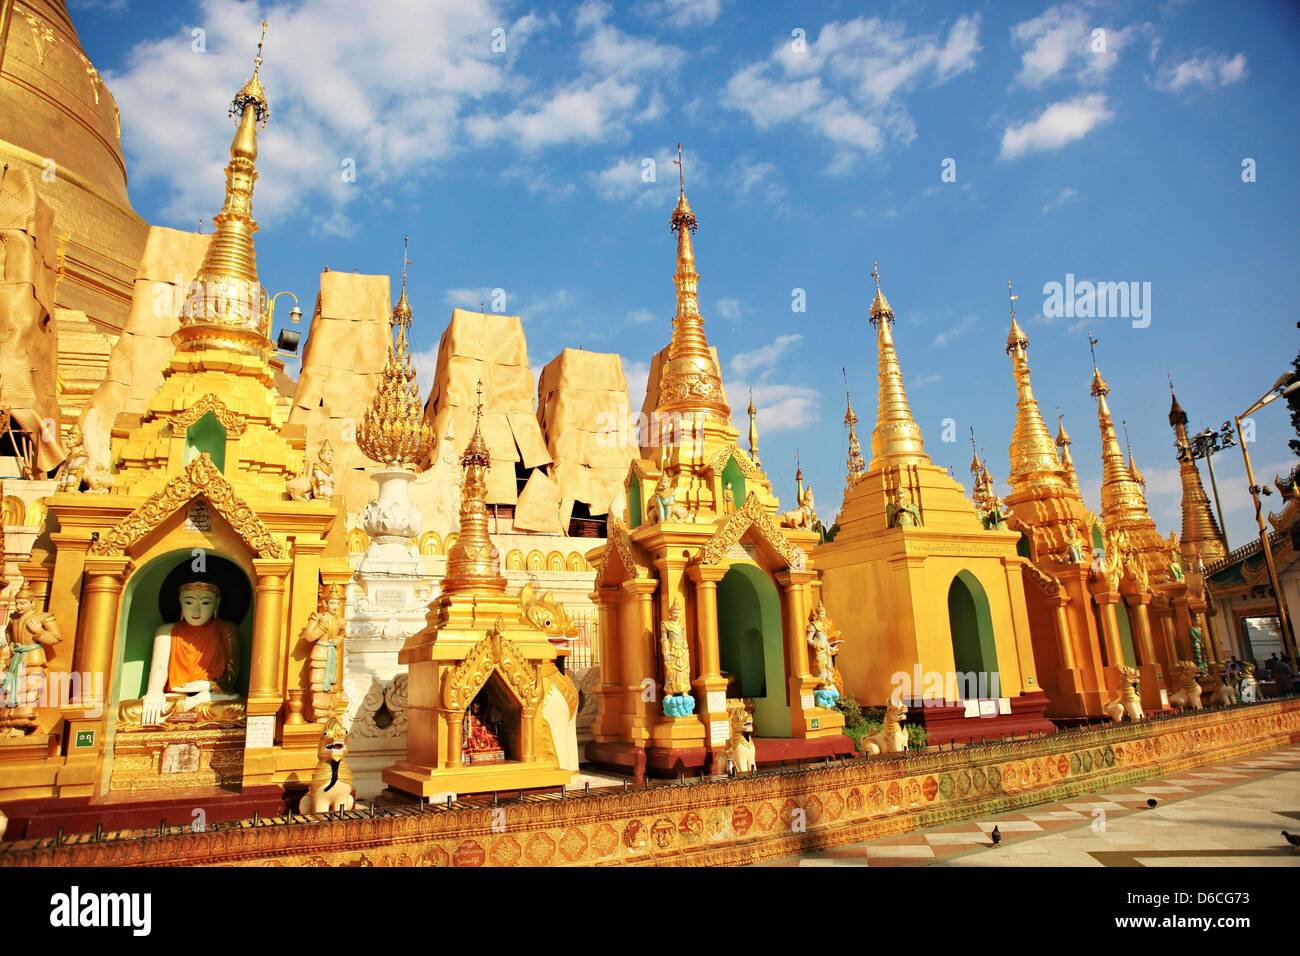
(1229, 814)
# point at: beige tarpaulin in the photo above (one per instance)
(136, 364)
(583, 408)
(347, 345)
(29, 346)
(487, 347)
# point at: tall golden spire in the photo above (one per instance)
(473, 563)
(1121, 496)
(753, 430)
(1034, 459)
(228, 309)
(896, 439)
(1133, 470)
(856, 466)
(1201, 536)
(690, 380)
(798, 478)
(1063, 443)
(394, 430)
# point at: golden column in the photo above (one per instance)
(1065, 647)
(265, 693)
(606, 726)
(1106, 600)
(451, 756)
(101, 596)
(639, 659)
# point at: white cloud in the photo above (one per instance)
(763, 359)
(1066, 195)
(1066, 38)
(962, 326)
(628, 178)
(1208, 70)
(638, 377)
(538, 180)
(426, 365)
(687, 13)
(780, 407)
(476, 299)
(1059, 124)
(921, 381)
(390, 100)
(641, 317)
(732, 310)
(847, 84)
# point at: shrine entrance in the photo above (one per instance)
(750, 650)
(974, 651)
(492, 726)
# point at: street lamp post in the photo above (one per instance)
(1207, 444)
(1285, 385)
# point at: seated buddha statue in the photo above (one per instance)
(192, 669)
(480, 742)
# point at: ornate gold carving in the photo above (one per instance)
(200, 477)
(752, 515)
(497, 653)
(473, 562)
(746, 465)
(622, 546)
(43, 37)
(896, 435)
(233, 422)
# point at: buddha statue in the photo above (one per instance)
(192, 669)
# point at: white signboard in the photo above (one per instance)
(719, 731)
(1004, 705)
(809, 702)
(717, 701)
(988, 708)
(259, 733)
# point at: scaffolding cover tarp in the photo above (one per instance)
(583, 408)
(490, 348)
(29, 345)
(135, 366)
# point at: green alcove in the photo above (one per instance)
(750, 640)
(206, 435)
(974, 648)
(733, 483)
(635, 509)
(141, 617)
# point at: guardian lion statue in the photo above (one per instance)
(1187, 693)
(1125, 699)
(740, 754)
(892, 738)
(331, 783)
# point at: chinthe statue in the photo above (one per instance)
(1126, 698)
(192, 668)
(78, 470)
(803, 518)
(741, 754)
(324, 632)
(331, 782)
(676, 653)
(316, 481)
(825, 642)
(23, 662)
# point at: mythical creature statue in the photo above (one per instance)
(803, 518)
(324, 632)
(825, 642)
(1073, 544)
(892, 738)
(664, 503)
(1135, 570)
(740, 753)
(23, 662)
(1187, 692)
(1125, 699)
(560, 696)
(331, 782)
(901, 512)
(1249, 688)
(316, 480)
(1222, 694)
(676, 654)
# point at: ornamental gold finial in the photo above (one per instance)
(856, 467)
(1016, 338)
(690, 380)
(896, 437)
(753, 430)
(228, 309)
(394, 430)
(473, 563)
(1035, 459)
(1122, 499)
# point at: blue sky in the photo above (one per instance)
(816, 140)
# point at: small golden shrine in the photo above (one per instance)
(183, 575)
(705, 593)
(487, 705)
(928, 590)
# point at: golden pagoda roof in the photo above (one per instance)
(896, 435)
(473, 563)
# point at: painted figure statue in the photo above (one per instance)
(1249, 688)
(77, 469)
(825, 642)
(1198, 646)
(331, 782)
(740, 755)
(193, 665)
(316, 480)
(663, 503)
(23, 662)
(324, 632)
(676, 653)
(901, 512)
(1073, 545)
(1125, 699)
(1175, 557)
(892, 738)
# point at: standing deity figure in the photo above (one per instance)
(324, 632)
(901, 512)
(1198, 647)
(1175, 557)
(193, 665)
(676, 654)
(23, 662)
(322, 473)
(825, 642)
(73, 469)
(1072, 544)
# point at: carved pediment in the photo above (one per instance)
(619, 550)
(233, 422)
(497, 653)
(200, 478)
(746, 464)
(751, 515)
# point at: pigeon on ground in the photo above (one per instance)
(1151, 803)
(997, 835)
(1293, 839)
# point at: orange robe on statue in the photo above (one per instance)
(198, 653)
